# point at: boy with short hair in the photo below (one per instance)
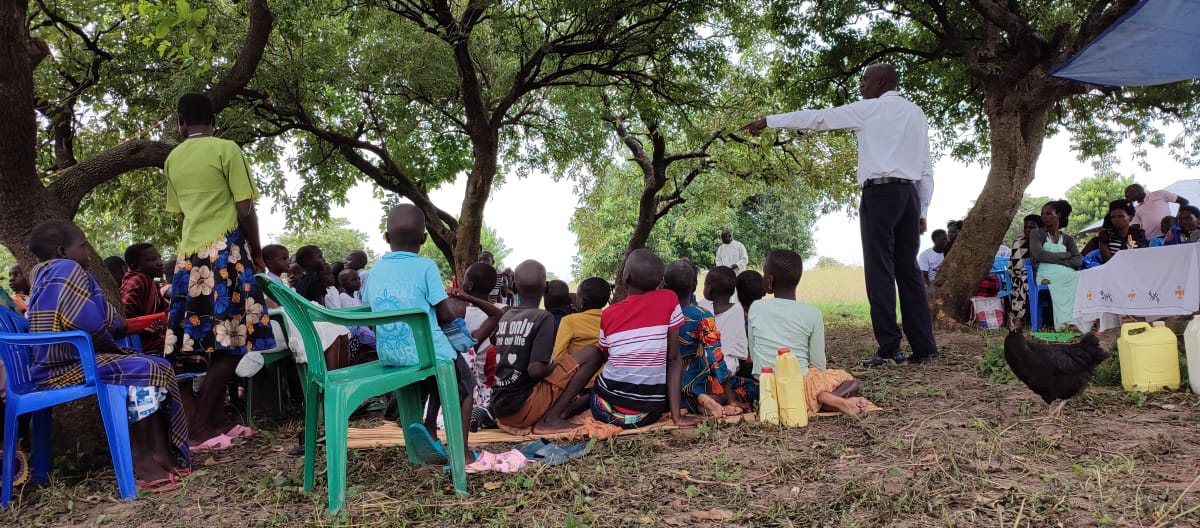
(403, 279)
(783, 322)
(140, 295)
(749, 289)
(644, 372)
(276, 259)
(580, 329)
(558, 300)
(707, 382)
(533, 391)
(19, 282)
(719, 288)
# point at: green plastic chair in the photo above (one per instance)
(342, 390)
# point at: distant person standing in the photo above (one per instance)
(896, 174)
(1151, 208)
(731, 253)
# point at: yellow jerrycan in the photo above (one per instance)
(768, 406)
(789, 389)
(1149, 360)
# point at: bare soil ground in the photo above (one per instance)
(953, 448)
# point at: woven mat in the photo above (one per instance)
(391, 434)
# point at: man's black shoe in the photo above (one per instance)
(878, 360)
(917, 360)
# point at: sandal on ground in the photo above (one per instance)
(510, 462)
(429, 450)
(217, 443)
(240, 431)
(182, 473)
(158, 486)
(484, 461)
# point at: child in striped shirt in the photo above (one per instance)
(642, 378)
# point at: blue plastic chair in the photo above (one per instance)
(1035, 287)
(1000, 270)
(24, 397)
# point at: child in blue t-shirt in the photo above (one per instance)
(402, 279)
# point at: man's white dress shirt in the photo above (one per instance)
(893, 138)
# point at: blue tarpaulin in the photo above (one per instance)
(1156, 42)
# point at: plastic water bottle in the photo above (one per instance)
(789, 385)
(1191, 342)
(1149, 360)
(768, 406)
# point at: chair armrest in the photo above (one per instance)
(81, 341)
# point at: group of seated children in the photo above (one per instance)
(656, 352)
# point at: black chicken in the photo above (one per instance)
(1056, 372)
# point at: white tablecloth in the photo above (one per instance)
(1148, 282)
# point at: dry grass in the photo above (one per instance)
(953, 449)
(833, 285)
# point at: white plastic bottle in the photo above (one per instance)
(1191, 343)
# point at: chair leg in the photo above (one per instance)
(312, 402)
(447, 383)
(8, 465)
(408, 403)
(250, 402)
(337, 417)
(39, 441)
(116, 426)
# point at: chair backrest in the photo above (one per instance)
(303, 313)
(999, 265)
(17, 358)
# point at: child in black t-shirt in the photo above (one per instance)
(532, 391)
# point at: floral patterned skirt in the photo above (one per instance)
(216, 306)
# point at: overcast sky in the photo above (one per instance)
(532, 214)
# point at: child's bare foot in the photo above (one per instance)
(862, 403)
(732, 410)
(549, 425)
(710, 407)
(846, 406)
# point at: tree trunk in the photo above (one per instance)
(1017, 132)
(641, 230)
(479, 188)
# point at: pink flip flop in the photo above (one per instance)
(485, 461)
(240, 431)
(217, 443)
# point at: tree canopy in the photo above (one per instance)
(1090, 197)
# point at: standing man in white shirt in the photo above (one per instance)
(895, 171)
(731, 253)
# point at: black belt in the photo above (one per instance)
(887, 180)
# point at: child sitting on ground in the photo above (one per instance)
(581, 329)
(708, 385)
(558, 301)
(719, 289)
(783, 322)
(481, 322)
(749, 289)
(403, 279)
(66, 297)
(644, 372)
(532, 390)
(140, 295)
